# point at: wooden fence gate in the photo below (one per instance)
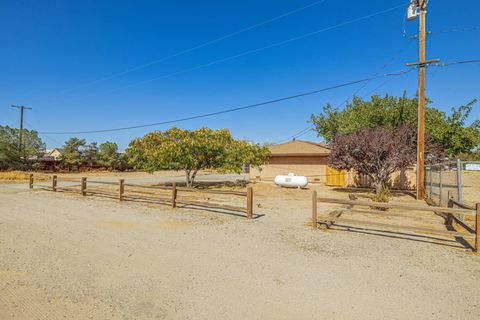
(335, 178)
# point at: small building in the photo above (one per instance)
(309, 159)
(52, 158)
(303, 158)
(53, 155)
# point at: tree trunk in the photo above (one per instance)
(188, 181)
(380, 181)
(192, 178)
(379, 186)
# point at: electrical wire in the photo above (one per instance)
(196, 47)
(55, 141)
(248, 52)
(297, 135)
(309, 128)
(303, 94)
(446, 64)
(466, 29)
(392, 59)
(312, 127)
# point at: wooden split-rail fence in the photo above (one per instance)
(142, 193)
(450, 215)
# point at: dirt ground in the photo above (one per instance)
(63, 256)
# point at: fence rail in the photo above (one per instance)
(335, 217)
(141, 193)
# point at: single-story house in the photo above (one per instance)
(51, 159)
(53, 155)
(306, 158)
(303, 158)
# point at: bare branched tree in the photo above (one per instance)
(380, 152)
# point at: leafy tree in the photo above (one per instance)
(389, 111)
(379, 152)
(72, 152)
(110, 157)
(14, 157)
(191, 151)
(90, 154)
(457, 137)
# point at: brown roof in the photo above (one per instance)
(299, 148)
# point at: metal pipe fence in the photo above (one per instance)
(458, 180)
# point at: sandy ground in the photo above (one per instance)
(63, 256)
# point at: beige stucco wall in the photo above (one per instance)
(313, 167)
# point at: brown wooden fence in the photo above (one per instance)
(142, 193)
(450, 214)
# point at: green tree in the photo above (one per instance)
(191, 151)
(14, 157)
(389, 111)
(72, 152)
(456, 136)
(110, 157)
(90, 154)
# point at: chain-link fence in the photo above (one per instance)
(453, 179)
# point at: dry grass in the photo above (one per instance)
(13, 176)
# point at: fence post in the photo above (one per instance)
(30, 182)
(174, 195)
(121, 189)
(314, 209)
(84, 186)
(249, 202)
(440, 178)
(459, 181)
(431, 181)
(477, 228)
(450, 205)
(54, 183)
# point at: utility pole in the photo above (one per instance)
(20, 138)
(419, 8)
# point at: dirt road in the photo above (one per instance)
(67, 257)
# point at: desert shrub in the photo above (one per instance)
(383, 196)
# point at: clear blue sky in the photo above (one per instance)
(52, 51)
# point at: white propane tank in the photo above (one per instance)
(291, 181)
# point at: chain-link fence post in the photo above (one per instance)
(459, 181)
(440, 180)
(431, 184)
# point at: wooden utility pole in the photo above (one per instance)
(421, 102)
(421, 6)
(20, 138)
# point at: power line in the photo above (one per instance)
(258, 104)
(309, 128)
(45, 136)
(245, 53)
(432, 33)
(297, 135)
(196, 47)
(446, 64)
(466, 29)
(393, 58)
(228, 110)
